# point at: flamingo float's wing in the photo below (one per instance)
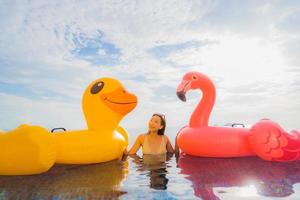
(270, 142)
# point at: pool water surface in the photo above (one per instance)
(160, 177)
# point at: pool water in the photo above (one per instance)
(160, 177)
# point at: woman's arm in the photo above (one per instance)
(177, 150)
(169, 146)
(136, 146)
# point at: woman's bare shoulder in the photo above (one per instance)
(141, 137)
(166, 137)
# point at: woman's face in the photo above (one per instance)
(155, 123)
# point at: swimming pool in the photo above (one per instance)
(160, 177)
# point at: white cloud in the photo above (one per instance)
(17, 110)
(101, 52)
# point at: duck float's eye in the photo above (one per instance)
(194, 77)
(97, 87)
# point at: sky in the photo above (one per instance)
(51, 50)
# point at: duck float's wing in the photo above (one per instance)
(270, 142)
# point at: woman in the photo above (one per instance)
(154, 142)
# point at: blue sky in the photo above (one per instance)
(50, 51)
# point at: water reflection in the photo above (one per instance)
(266, 178)
(156, 177)
(99, 181)
(155, 167)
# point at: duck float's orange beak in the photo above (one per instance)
(182, 88)
(120, 101)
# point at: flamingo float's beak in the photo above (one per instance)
(181, 96)
(182, 88)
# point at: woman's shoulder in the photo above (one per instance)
(141, 137)
(166, 137)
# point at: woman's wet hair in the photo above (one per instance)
(162, 122)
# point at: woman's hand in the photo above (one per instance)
(125, 154)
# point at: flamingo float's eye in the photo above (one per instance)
(97, 87)
(194, 77)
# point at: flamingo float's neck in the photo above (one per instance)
(200, 116)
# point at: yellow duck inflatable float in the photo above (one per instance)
(33, 149)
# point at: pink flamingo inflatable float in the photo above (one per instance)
(265, 139)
